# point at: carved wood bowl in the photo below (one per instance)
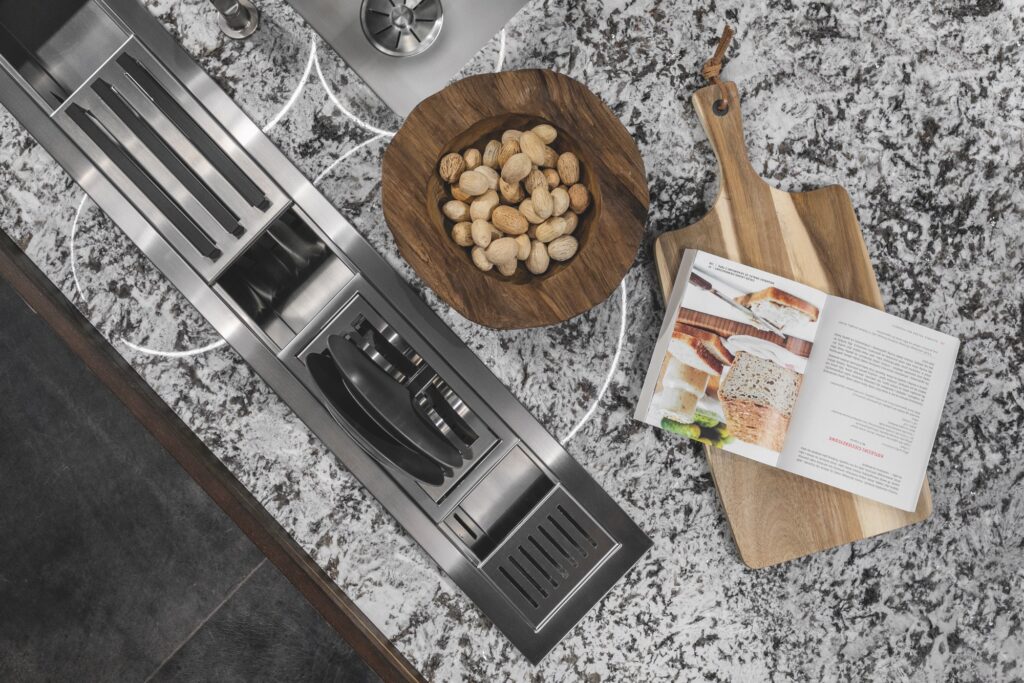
(474, 110)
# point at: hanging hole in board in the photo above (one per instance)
(720, 107)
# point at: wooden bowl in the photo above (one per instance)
(474, 110)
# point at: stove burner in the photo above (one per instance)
(401, 28)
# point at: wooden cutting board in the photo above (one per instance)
(811, 237)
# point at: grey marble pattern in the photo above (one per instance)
(915, 108)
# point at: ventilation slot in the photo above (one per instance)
(549, 556)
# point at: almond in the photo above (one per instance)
(481, 232)
(473, 183)
(516, 168)
(490, 158)
(472, 157)
(508, 269)
(456, 210)
(462, 234)
(532, 147)
(523, 242)
(507, 151)
(511, 192)
(579, 198)
(569, 168)
(545, 132)
(452, 166)
(538, 260)
(526, 208)
(571, 221)
(509, 220)
(483, 205)
(550, 158)
(551, 229)
(563, 248)
(502, 250)
(535, 178)
(543, 203)
(489, 173)
(559, 200)
(480, 259)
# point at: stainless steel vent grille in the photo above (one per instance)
(548, 556)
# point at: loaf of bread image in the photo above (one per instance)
(778, 307)
(690, 350)
(757, 396)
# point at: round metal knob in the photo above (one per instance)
(401, 28)
(238, 18)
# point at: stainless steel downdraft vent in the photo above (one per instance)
(402, 28)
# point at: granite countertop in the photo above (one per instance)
(917, 110)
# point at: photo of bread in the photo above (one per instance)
(778, 307)
(690, 349)
(680, 388)
(757, 396)
(712, 342)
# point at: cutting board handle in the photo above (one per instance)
(724, 127)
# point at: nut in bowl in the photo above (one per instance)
(501, 230)
(517, 201)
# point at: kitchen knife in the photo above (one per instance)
(389, 403)
(344, 408)
(699, 281)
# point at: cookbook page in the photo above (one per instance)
(731, 356)
(873, 395)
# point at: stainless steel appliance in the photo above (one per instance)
(406, 50)
(287, 281)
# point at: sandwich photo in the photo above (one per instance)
(780, 308)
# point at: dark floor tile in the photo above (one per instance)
(110, 555)
(266, 632)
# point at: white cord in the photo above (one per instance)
(298, 89)
(344, 156)
(337, 103)
(501, 53)
(85, 300)
(173, 354)
(611, 371)
(74, 230)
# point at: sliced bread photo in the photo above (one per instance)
(690, 350)
(757, 396)
(778, 307)
(712, 342)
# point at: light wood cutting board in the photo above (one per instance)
(812, 237)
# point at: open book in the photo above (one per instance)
(791, 377)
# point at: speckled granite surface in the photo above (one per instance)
(916, 109)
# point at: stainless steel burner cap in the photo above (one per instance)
(401, 28)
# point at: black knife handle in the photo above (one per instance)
(346, 411)
(389, 403)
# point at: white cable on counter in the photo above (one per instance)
(611, 371)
